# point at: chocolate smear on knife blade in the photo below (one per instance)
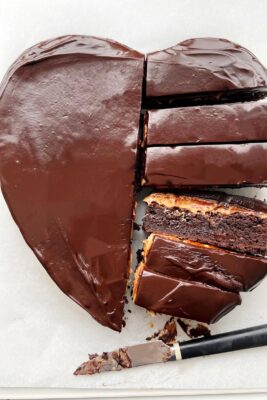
(113, 361)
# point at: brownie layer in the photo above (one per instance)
(191, 261)
(206, 165)
(69, 122)
(179, 298)
(222, 123)
(201, 220)
(203, 65)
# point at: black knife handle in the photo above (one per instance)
(222, 343)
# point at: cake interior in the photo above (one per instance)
(200, 220)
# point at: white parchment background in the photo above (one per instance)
(44, 336)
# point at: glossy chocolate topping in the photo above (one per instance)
(221, 123)
(202, 263)
(192, 300)
(206, 165)
(69, 121)
(203, 65)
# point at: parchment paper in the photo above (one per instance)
(44, 336)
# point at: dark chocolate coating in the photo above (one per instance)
(176, 297)
(203, 65)
(221, 123)
(206, 165)
(69, 121)
(211, 265)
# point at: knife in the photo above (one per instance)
(158, 352)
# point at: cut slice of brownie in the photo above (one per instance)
(192, 261)
(180, 298)
(206, 165)
(203, 65)
(230, 222)
(219, 123)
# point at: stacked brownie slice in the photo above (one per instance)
(218, 145)
(203, 249)
(206, 120)
(205, 126)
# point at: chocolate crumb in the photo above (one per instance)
(167, 334)
(136, 226)
(92, 356)
(139, 255)
(129, 311)
(194, 329)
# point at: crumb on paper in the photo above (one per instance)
(150, 325)
(139, 255)
(151, 313)
(194, 329)
(167, 334)
(136, 226)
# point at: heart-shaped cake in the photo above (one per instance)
(81, 130)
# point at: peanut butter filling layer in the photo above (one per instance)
(197, 205)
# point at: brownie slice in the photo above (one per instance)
(180, 298)
(218, 123)
(206, 165)
(192, 261)
(235, 224)
(203, 65)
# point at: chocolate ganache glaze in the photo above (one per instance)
(69, 122)
(203, 65)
